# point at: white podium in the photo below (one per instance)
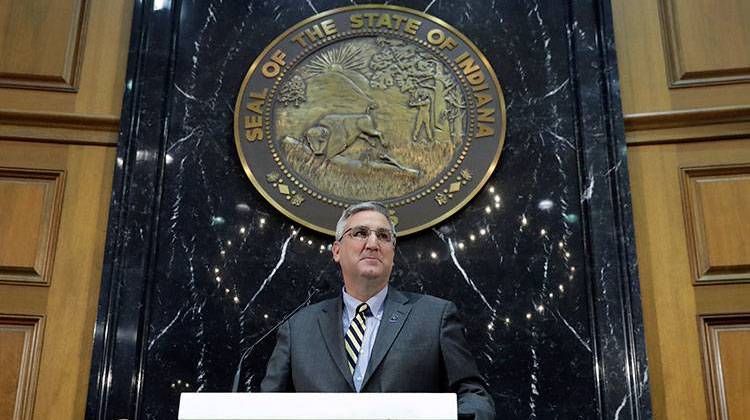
(314, 406)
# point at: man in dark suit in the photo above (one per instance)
(373, 338)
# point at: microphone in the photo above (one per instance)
(319, 286)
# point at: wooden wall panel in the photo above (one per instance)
(709, 40)
(30, 205)
(671, 303)
(684, 70)
(19, 358)
(73, 296)
(41, 43)
(706, 42)
(62, 78)
(22, 225)
(716, 202)
(726, 341)
(11, 355)
(69, 303)
(91, 114)
(666, 302)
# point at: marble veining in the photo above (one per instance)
(309, 3)
(282, 257)
(452, 251)
(620, 407)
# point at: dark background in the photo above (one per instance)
(540, 263)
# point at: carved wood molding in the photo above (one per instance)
(40, 273)
(59, 127)
(68, 80)
(32, 327)
(687, 118)
(678, 75)
(60, 119)
(711, 327)
(688, 125)
(704, 271)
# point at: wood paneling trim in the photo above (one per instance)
(688, 125)
(687, 118)
(68, 79)
(706, 133)
(60, 120)
(41, 272)
(33, 327)
(678, 75)
(70, 303)
(59, 127)
(712, 326)
(704, 271)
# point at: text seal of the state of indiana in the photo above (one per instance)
(370, 103)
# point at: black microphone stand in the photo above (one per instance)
(316, 289)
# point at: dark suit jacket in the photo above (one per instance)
(420, 347)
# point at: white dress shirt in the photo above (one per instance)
(376, 306)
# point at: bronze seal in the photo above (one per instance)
(370, 103)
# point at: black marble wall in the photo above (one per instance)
(541, 262)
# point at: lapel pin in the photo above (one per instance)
(394, 317)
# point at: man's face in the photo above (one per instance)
(368, 260)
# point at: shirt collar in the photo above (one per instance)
(375, 303)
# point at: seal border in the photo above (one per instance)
(298, 25)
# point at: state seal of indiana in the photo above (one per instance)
(366, 103)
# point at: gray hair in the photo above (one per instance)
(356, 208)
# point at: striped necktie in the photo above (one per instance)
(355, 336)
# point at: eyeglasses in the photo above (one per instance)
(362, 233)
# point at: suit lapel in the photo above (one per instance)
(332, 329)
(395, 312)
